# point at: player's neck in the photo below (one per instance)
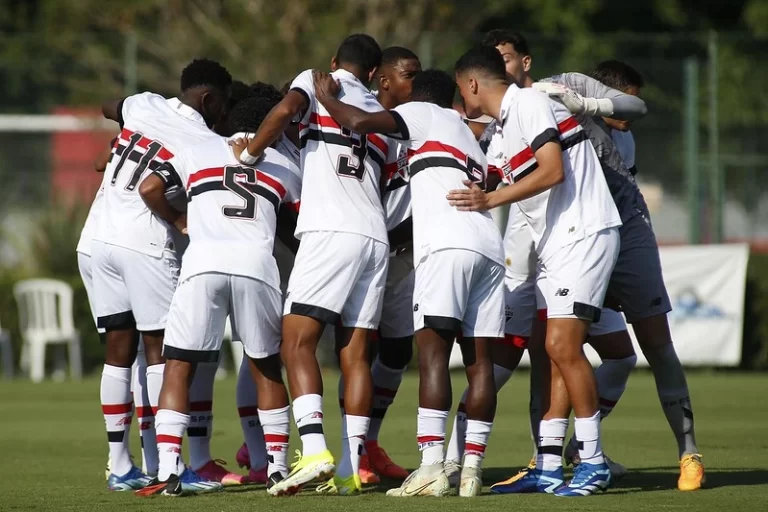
(386, 101)
(357, 73)
(528, 82)
(491, 105)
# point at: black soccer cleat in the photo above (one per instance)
(170, 487)
(274, 479)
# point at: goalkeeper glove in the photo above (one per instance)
(574, 101)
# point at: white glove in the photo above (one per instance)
(574, 101)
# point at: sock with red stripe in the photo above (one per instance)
(276, 425)
(430, 434)
(247, 407)
(117, 407)
(551, 439)
(170, 427)
(146, 417)
(308, 413)
(386, 382)
(476, 441)
(352, 445)
(201, 415)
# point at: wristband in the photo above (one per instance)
(248, 158)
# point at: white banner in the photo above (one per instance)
(706, 284)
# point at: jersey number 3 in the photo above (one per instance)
(241, 188)
(353, 165)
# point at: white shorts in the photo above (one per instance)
(86, 274)
(199, 313)
(572, 283)
(338, 277)
(397, 311)
(520, 304)
(459, 291)
(131, 287)
(610, 321)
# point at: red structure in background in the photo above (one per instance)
(73, 177)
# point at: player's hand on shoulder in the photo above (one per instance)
(239, 148)
(572, 100)
(326, 85)
(471, 199)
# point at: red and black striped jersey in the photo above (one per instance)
(341, 169)
(442, 153)
(579, 206)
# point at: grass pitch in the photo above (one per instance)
(54, 449)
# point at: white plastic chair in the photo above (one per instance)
(6, 352)
(45, 318)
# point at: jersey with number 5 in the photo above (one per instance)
(232, 208)
(342, 170)
(153, 130)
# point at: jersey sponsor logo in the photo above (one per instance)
(562, 292)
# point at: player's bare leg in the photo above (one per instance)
(655, 340)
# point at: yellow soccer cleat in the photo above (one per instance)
(691, 473)
(303, 471)
(336, 486)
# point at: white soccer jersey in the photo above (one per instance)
(442, 153)
(153, 130)
(94, 214)
(397, 194)
(582, 204)
(232, 209)
(288, 149)
(341, 169)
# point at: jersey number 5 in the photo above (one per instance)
(353, 165)
(153, 148)
(242, 189)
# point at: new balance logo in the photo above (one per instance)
(125, 420)
(416, 307)
(562, 292)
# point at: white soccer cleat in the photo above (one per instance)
(471, 482)
(428, 480)
(617, 470)
(453, 472)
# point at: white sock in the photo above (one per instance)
(117, 407)
(170, 427)
(386, 382)
(146, 417)
(430, 434)
(612, 376)
(201, 415)
(551, 439)
(352, 447)
(587, 432)
(478, 433)
(308, 413)
(455, 450)
(247, 407)
(276, 425)
(155, 384)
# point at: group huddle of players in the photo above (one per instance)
(384, 198)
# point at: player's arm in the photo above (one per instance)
(113, 110)
(154, 189)
(585, 95)
(102, 159)
(273, 126)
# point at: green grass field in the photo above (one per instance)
(53, 451)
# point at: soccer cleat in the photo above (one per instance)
(131, 481)
(189, 482)
(170, 487)
(367, 475)
(531, 480)
(303, 471)
(214, 471)
(453, 472)
(257, 476)
(274, 479)
(471, 482)
(382, 464)
(428, 480)
(617, 470)
(691, 473)
(571, 456)
(243, 458)
(588, 479)
(349, 486)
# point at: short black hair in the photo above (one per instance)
(502, 36)
(483, 58)
(360, 50)
(394, 54)
(618, 75)
(265, 90)
(205, 72)
(434, 86)
(240, 91)
(248, 115)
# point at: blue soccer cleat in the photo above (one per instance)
(588, 479)
(534, 480)
(188, 482)
(131, 481)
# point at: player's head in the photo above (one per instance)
(248, 115)
(206, 86)
(398, 67)
(477, 72)
(514, 50)
(360, 55)
(265, 90)
(239, 92)
(434, 86)
(620, 76)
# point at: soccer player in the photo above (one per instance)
(228, 270)
(459, 271)
(556, 180)
(341, 264)
(134, 257)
